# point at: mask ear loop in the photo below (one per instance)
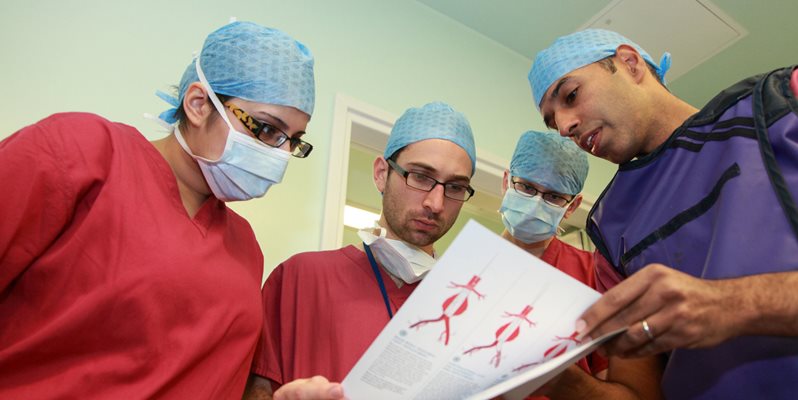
(220, 108)
(163, 124)
(211, 93)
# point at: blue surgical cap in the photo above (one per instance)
(435, 120)
(576, 50)
(253, 63)
(550, 160)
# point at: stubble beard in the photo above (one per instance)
(398, 222)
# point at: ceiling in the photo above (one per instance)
(769, 37)
(713, 43)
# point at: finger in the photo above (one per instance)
(633, 338)
(654, 347)
(320, 388)
(646, 312)
(335, 391)
(623, 305)
(602, 313)
(317, 387)
(658, 340)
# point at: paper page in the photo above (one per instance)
(486, 313)
(520, 386)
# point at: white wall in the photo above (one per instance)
(110, 56)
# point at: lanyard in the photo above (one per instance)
(376, 271)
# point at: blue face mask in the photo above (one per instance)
(529, 219)
(246, 168)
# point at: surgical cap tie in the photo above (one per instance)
(170, 115)
(664, 66)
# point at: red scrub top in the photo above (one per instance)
(574, 262)
(579, 264)
(108, 289)
(323, 310)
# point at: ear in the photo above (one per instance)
(629, 59)
(504, 181)
(573, 206)
(380, 173)
(196, 105)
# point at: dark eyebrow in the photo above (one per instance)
(277, 121)
(554, 94)
(432, 170)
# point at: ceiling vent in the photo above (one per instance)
(691, 30)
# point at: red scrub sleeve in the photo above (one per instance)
(40, 166)
(606, 276)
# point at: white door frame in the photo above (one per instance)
(347, 113)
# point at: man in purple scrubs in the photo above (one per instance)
(697, 234)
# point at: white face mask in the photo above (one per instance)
(402, 260)
(247, 168)
(529, 219)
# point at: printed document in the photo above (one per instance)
(489, 319)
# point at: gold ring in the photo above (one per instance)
(647, 330)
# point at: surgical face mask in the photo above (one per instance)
(246, 169)
(529, 219)
(402, 260)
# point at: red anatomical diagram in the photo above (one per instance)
(506, 333)
(453, 306)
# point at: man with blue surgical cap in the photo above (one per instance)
(685, 271)
(323, 309)
(541, 188)
(124, 273)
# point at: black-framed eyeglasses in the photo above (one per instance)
(271, 135)
(549, 197)
(416, 180)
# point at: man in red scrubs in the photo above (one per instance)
(323, 309)
(541, 188)
(123, 273)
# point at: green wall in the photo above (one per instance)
(109, 57)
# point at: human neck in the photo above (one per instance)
(536, 248)
(669, 114)
(190, 182)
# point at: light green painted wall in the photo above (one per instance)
(360, 188)
(110, 56)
